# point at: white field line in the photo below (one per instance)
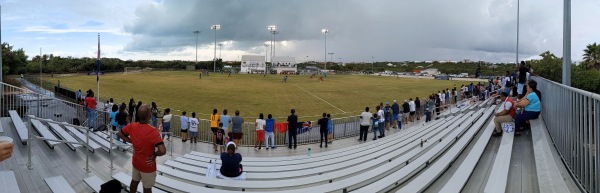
(320, 98)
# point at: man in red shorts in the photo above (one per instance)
(145, 139)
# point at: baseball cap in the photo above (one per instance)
(394, 100)
(405, 100)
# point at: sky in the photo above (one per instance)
(360, 30)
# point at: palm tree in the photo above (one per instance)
(591, 55)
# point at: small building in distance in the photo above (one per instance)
(284, 64)
(430, 71)
(253, 64)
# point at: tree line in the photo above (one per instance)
(584, 76)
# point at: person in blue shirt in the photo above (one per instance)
(269, 132)
(531, 107)
(113, 119)
(329, 125)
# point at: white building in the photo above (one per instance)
(431, 71)
(284, 64)
(253, 64)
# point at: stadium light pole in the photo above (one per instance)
(330, 57)
(272, 30)
(517, 53)
(220, 50)
(372, 64)
(266, 51)
(326, 32)
(566, 73)
(215, 27)
(197, 32)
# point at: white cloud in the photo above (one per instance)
(389, 30)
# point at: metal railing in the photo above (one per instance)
(573, 121)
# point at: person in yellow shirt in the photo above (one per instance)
(214, 126)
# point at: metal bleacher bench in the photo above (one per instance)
(81, 137)
(65, 136)
(94, 182)
(275, 181)
(499, 174)
(319, 167)
(462, 174)
(126, 179)
(435, 170)
(8, 182)
(335, 154)
(19, 126)
(436, 148)
(370, 172)
(548, 175)
(334, 163)
(44, 132)
(58, 184)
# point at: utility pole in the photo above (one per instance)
(197, 33)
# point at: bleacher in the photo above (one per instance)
(410, 160)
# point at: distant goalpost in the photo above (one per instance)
(133, 70)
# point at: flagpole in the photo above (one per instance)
(98, 70)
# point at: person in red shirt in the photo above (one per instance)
(507, 115)
(90, 104)
(145, 139)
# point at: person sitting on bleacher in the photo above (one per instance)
(531, 104)
(507, 114)
(231, 166)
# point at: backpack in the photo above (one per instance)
(113, 186)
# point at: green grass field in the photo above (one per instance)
(339, 95)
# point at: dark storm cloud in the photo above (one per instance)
(386, 29)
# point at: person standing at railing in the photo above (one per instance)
(226, 120)
(131, 110)
(531, 105)
(395, 111)
(292, 129)
(380, 115)
(184, 121)
(406, 112)
(154, 111)
(323, 129)
(214, 126)
(145, 140)
(329, 128)
(77, 96)
(236, 127)
(413, 108)
(137, 108)
(166, 124)
(122, 118)
(260, 125)
(113, 119)
(90, 104)
(270, 125)
(365, 122)
(418, 108)
(194, 128)
(522, 79)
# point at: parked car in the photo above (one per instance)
(94, 73)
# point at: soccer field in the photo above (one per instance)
(339, 95)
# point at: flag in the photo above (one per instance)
(98, 62)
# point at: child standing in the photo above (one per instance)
(260, 132)
(220, 138)
(427, 115)
(194, 128)
(399, 119)
(375, 125)
(184, 120)
(270, 122)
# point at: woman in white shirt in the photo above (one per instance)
(166, 124)
(260, 131)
